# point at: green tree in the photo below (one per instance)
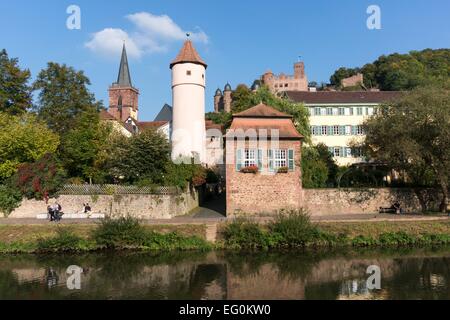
(243, 100)
(326, 157)
(342, 73)
(314, 169)
(140, 157)
(402, 71)
(412, 135)
(83, 147)
(63, 96)
(23, 139)
(15, 93)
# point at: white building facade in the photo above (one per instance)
(336, 119)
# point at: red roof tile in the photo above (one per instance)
(261, 110)
(105, 115)
(151, 125)
(324, 97)
(188, 54)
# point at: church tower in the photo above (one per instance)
(188, 92)
(123, 97)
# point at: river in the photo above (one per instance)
(298, 275)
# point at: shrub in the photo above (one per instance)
(10, 199)
(173, 241)
(121, 233)
(41, 179)
(294, 228)
(65, 240)
(283, 170)
(242, 233)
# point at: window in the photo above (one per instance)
(317, 111)
(249, 157)
(315, 130)
(335, 111)
(279, 158)
(337, 152)
(367, 111)
(323, 111)
(359, 130)
(286, 85)
(329, 111)
(349, 152)
(324, 131)
(336, 130)
(348, 130)
(350, 111)
(359, 111)
(188, 73)
(341, 111)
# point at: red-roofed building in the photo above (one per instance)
(263, 155)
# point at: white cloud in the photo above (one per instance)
(152, 34)
(110, 41)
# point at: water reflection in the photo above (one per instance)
(411, 274)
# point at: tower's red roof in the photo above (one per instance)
(188, 54)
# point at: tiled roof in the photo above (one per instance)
(151, 125)
(188, 54)
(263, 117)
(105, 115)
(261, 111)
(343, 96)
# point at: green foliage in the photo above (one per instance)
(294, 228)
(179, 175)
(15, 93)
(120, 233)
(341, 74)
(402, 71)
(242, 233)
(128, 233)
(143, 156)
(223, 118)
(315, 172)
(63, 97)
(64, 241)
(23, 139)
(244, 98)
(84, 148)
(10, 199)
(41, 179)
(420, 123)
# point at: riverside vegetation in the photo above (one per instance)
(289, 230)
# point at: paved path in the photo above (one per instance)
(199, 218)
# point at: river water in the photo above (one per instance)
(405, 274)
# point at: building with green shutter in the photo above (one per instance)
(336, 118)
(263, 156)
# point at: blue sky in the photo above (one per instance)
(238, 39)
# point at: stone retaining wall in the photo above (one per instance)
(323, 202)
(139, 206)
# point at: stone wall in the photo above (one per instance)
(263, 192)
(139, 206)
(322, 202)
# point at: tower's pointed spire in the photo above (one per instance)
(188, 54)
(124, 78)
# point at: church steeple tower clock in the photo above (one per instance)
(123, 97)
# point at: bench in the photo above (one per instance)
(70, 216)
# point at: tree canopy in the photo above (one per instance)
(63, 96)
(15, 92)
(23, 139)
(412, 135)
(401, 71)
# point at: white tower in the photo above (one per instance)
(188, 92)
